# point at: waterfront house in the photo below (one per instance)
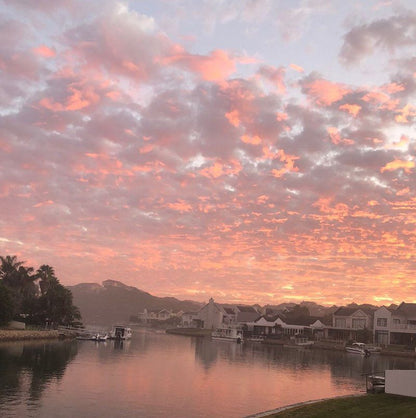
(188, 319)
(276, 327)
(395, 325)
(152, 315)
(211, 316)
(349, 323)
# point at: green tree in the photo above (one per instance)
(49, 302)
(56, 307)
(19, 280)
(6, 305)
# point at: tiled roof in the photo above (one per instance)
(229, 311)
(343, 311)
(407, 309)
(243, 308)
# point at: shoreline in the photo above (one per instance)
(300, 404)
(26, 335)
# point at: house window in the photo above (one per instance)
(358, 323)
(382, 322)
(396, 321)
(340, 322)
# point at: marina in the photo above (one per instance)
(68, 378)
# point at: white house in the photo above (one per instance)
(211, 316)
(395, 326)
(275, 326)
(349, 323)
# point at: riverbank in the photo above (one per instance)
(357, 406)
(21, 335)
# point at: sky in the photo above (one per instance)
(253, 151)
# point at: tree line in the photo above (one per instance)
(34, 297)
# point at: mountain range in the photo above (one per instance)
(114, 302)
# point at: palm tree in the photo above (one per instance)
(47, 277)
(9, 270)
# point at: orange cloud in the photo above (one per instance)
(253, 140)
(219, 169)
(289, 161)
(180, 206)
(398, 164)
(325, 92)
(392, 88)
(339, 211)
(403, 192)
(406, 112)
(44, 51)
(381, 99)
(217, 66)
(352, 109)
(336, 137)
(404, 141)
(45, 203)
(297, 68)
(77, 100)
(233, 118)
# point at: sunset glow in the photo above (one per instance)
(212, 149)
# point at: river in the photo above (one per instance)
(161, 375)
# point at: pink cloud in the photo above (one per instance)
(325, 92)
(297, 68)
(44, 51)
(217, 66)
(336, 137)
(352, 109)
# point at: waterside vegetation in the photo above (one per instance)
(366, 406)
(36, 298)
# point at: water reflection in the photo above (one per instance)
(27, 368)
(158, 375)
(340, 365)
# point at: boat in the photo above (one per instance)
(120, 332)
(256, 338)
(358, 348)
(93, 337)
(303, 342)
(100, 337)
(375, 383)
(228, 334)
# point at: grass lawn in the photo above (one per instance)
(378, 405)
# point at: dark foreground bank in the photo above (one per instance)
(371, 405)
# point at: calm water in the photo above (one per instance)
(160, 375)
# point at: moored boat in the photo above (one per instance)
(357, 348)
(228, 334)
(120, 332)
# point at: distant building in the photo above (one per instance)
(349, 324)
(189, 319)
(395, 326)
(213, 315)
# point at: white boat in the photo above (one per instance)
(100, 337)
(93, 337)
(303, 342)
(357, 348)
(256, 338)
(373, 349)
(228, 334)
(120, 332)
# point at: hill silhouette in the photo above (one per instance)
(114, 302)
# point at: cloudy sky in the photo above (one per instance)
(248, 150)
